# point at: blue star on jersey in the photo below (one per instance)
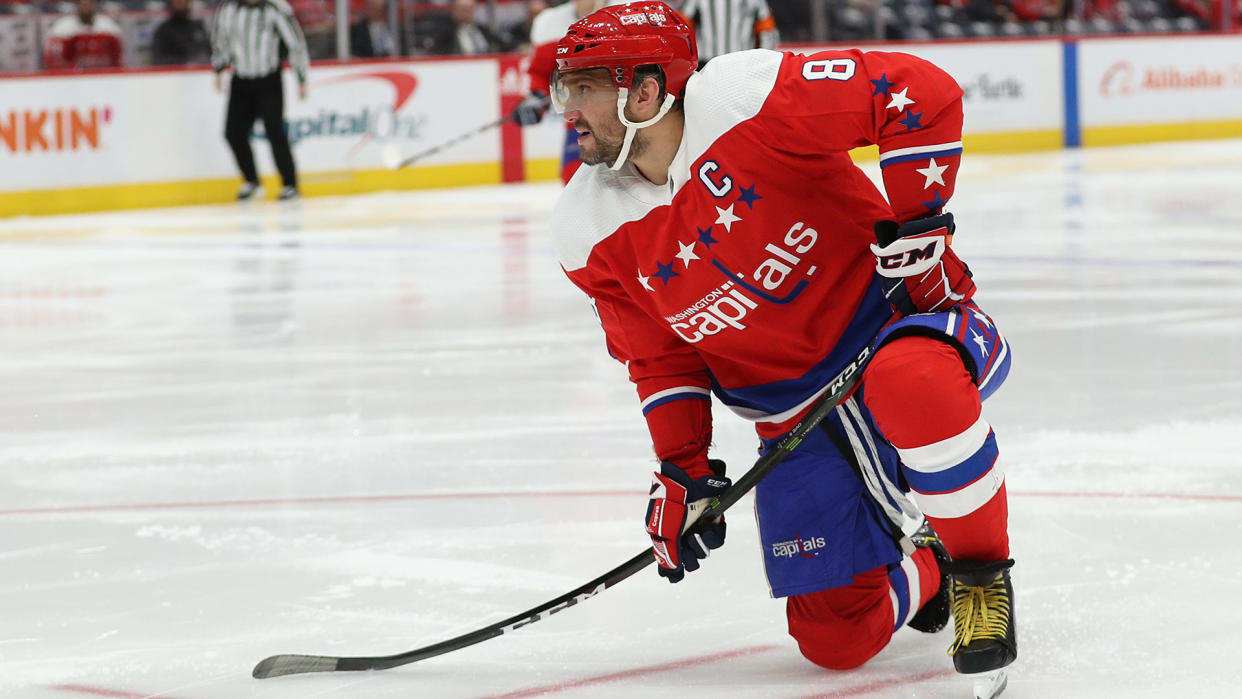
(911, 121)
(882, 86)
(748, 196)
(666, 271)
(936, 201)
(705, 237)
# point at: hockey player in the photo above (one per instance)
(733, 249)
(546, 29)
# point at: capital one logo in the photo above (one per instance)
(1118, 80)
(366, 122)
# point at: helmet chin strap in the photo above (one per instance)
(632, 127)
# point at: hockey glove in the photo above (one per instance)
(921, 272)
(676, 501)
(531, 109)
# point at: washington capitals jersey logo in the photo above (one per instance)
(727, 305)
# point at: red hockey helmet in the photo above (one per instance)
(623, 37)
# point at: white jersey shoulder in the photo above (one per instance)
(598, 201)
(552, 23)
(70, 25)
(728, 90)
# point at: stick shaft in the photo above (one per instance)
(451, 142)
(835, 392)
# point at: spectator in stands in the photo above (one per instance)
(180, 39)
(463, 35)
(796, 20)
(732, 25)
(984, 10)
(371, 37)
(1036, 10)
(83, 40)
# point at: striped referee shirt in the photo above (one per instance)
(247, 36)
(725, 26)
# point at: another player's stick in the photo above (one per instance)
(392, 158)
(838, 389)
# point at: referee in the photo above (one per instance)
(725, 26)
(247, 36)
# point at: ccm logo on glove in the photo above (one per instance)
(913, 255)
(920, 272)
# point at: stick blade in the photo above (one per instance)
(391, 156)
(278, 665)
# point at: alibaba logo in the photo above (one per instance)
(403, 84)
(1117, 79)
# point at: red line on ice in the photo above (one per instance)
(338, 499)
(101, 692)
(314, 500)
(634, 672)
(880, 685)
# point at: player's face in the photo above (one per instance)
(589, 100)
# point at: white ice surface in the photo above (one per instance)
(362, 425)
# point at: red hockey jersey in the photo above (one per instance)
(749, 275)
(71, 43)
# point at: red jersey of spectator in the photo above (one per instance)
(83, 40)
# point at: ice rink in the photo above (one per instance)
(357, 426)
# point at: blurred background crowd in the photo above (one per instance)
(167, 32)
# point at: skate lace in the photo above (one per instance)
(979, 613)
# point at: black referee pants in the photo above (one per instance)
(250, 99)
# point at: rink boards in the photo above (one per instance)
(135, 138)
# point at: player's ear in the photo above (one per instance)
(646, 96)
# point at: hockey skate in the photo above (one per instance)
(934, 614)
(985, 640)
(250, 190)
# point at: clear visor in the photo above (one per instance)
(574, 90)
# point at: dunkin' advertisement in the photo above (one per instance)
(138, 127)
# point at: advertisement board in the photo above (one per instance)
(81, 142)
(143, 127)
(1154, 80)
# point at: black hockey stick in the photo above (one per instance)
(393, 158)
(278, 665)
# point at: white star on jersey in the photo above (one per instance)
(727, 218)
(934, 174)
(643, 280)
(900, 101)
(687, 253)
(981, 318)
(978, 340)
